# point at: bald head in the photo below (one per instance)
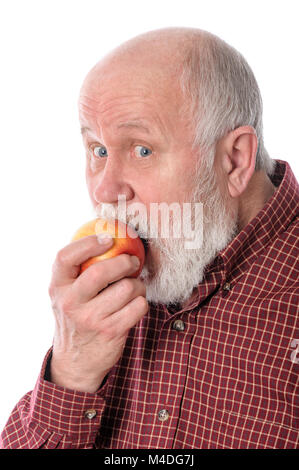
(143, 72)
(159, 55)
(148, 66)
(163, 50)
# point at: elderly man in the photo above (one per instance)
(201, 350)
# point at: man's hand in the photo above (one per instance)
(93, 311)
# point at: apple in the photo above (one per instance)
(125, 240)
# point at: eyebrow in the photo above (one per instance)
(134, 124)
(84, 130)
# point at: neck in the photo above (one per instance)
(259, 190)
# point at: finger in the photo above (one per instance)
(122, 321)
(102, 273)
(68, 260)
(116, 296)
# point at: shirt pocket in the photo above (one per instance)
(239, 431)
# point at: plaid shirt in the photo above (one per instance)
(220, 373)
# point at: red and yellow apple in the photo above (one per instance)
(125, 240)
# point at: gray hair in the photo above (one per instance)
(224, 95)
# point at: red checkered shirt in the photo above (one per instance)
(224, 376)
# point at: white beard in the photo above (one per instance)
(179, 270)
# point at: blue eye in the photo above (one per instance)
(141, 151)
(100, 152)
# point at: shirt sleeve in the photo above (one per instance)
(52, 417)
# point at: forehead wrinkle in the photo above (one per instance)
(120, 119)
(103, 100)
(110, 113)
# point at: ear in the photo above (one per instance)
(238, 149)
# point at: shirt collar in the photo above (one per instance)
(270, 221)
(239, 254)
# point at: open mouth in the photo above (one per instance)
(144, 240)
(141, 235)
(145, 243)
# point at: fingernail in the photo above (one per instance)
(135, 261)
(104, 238)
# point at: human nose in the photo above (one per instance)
(111, 184)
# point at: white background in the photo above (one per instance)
(47, 47)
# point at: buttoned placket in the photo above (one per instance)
(169, 376)
(168, 380)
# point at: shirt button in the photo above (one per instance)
(178, 325)
(226, 286)
(163, 415)
(90, 414)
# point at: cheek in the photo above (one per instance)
(182, 182)
(147, 191)
(169, 187)
(175, 178)
(155, 185)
